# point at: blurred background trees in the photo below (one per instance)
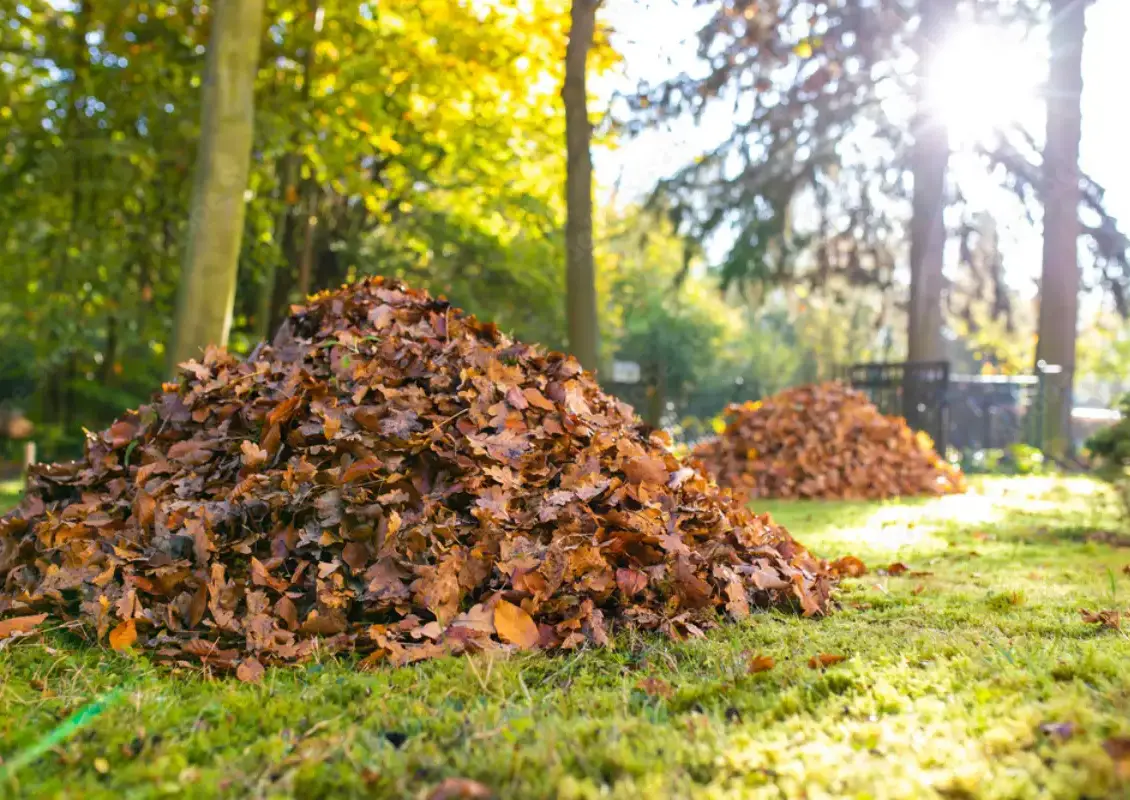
(825, 176)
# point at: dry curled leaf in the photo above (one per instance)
(14, 625)
(515, 626)
(1107, 619)
(124, 635)
(825, 660)
(761, 663)
(897, 568)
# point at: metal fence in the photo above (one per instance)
(917, 391)
(965, 412)
(988, 412)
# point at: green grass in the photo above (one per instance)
(947, 681)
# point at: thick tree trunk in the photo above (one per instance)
(580, 270)
(929, 159)
(207, 288)
(1059, 283)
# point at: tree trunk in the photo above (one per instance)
(929, 158)
(207, 288)
(580, 271)
(265, 302)
(1059, 283)
(309, 233)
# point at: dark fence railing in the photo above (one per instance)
(917, 391)
(988, 412)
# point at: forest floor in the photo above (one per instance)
(979, 679)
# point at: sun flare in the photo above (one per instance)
(986, 78)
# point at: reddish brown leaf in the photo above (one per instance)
(356, 555)
(515, 626)
(631, 581)
(897, 568)
(360, 469)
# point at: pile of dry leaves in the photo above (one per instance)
(393, 477)
(826, 441)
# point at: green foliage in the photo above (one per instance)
(425, 138)
(1111, 445)
(1016, 459)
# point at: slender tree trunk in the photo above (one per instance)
(309, 234)
(580, 270)
(207, 288)
(929, 159)
(265, 302)
(1059, 283)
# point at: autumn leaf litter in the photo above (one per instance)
(392, 477)
(824, 441)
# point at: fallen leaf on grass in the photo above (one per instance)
(919, 589)
(460, 789)
(15, 625)
(850, 566)
(656, 687)
(761, 664)
(1126, 569)
(514, 625)
(123, 636)
(249, 670)
(897, 568)
(1108, 619)
(824, 660)
(1118, 748)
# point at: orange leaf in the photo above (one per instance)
(850, 566)
(123, 636)
(20, 624)
(514, 625)
(761, 664)
(825, 660)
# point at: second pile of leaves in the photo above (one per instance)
(393, 477)
(826, 441)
